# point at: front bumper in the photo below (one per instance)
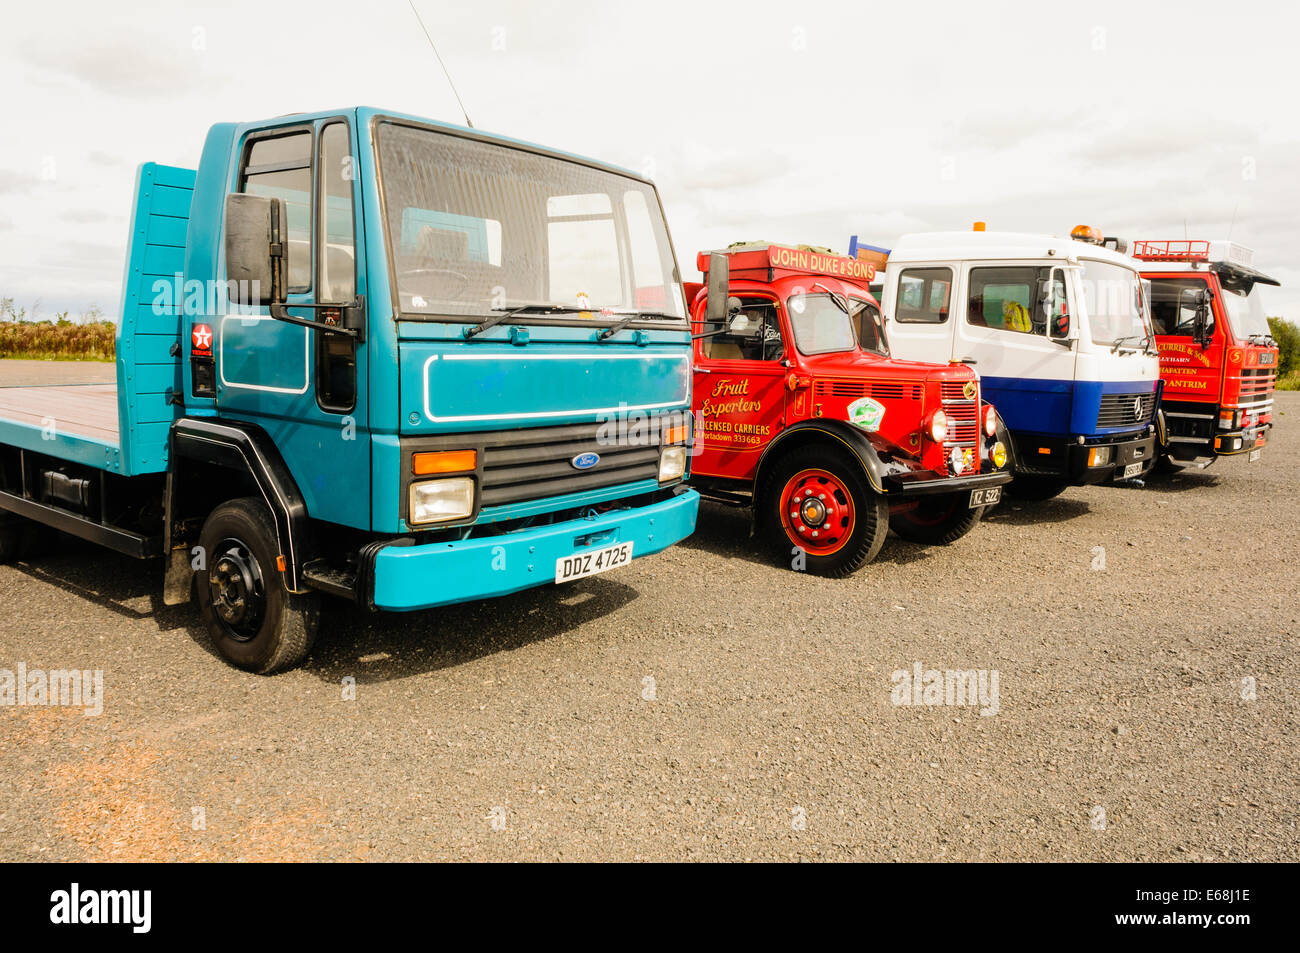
(925, 483)
(406, 576)
(1059, 458)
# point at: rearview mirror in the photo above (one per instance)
(255, 258)
(719, 286)
(1201, 333)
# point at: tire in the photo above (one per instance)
(1034, 488)
(937, 520)
(255, 623)
(844, 523)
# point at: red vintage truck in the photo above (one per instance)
(1218, 359)
(802, 415)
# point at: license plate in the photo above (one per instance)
(1132, 470)
(568, 568)
(1252, 456)
(985, 497)
(1267, 357)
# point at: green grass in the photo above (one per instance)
(64, 341)
(1290, 382)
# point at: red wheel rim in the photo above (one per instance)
(817, 512)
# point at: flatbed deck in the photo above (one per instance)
(80, 410)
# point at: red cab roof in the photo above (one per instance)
(762, 262)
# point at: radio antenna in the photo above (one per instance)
(445, 71)
(1234, 220)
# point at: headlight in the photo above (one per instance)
(990, 420)
(672, 464)
(999, 455)
(436, 501)
(1099, 456)
(938, 426)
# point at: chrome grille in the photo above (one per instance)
(963, 422)
(1125, 410)
(1256, 385)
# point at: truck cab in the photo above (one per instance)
(803, 415)
(1218, 359)
(1060, 334)
(377, 357)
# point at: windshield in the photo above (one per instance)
(1117, 308)
(1245, 313)
(821, 326)
(475, 228)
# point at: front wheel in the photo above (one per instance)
(937, 520)
(819, 512)
(255, 623)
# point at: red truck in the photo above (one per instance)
(803, 416)
(1218, 359)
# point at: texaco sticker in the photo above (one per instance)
(866, 413)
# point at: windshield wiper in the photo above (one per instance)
(1119, 342)
(842, 305)
(505, 314)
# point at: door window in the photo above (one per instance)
(923, 295)
(754, 334)
(1174, 302)
(280, 167)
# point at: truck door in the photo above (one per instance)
(1026, 368)
(740, 390)
(306, 387)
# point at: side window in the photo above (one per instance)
(1174, 302)
(338, 257)
(870, 328)
(280, 167)
(755, 338)
(1007, 299)
(923, 295)
(336, 363)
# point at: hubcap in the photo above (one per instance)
(238, 593)
(817, 512)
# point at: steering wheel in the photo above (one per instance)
(418, 273)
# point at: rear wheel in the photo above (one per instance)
(937, 520)
(819, 513)
(254, 622)
(1036, 488)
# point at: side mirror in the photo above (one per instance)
(1201, 320)
(738, 323)
(719, 286)
(255, 251)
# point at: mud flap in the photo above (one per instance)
(176, 582)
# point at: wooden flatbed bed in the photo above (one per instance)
(80, 410)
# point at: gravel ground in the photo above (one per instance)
(704, 704)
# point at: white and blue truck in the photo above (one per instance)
(1059, 331)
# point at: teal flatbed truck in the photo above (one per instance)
(371, 356)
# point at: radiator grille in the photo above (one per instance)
(536, 463)
(963, 421)
(1125, 410)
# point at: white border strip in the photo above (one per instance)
(306, 357)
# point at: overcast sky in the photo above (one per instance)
(792, 122)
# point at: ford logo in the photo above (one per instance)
(585, 461)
